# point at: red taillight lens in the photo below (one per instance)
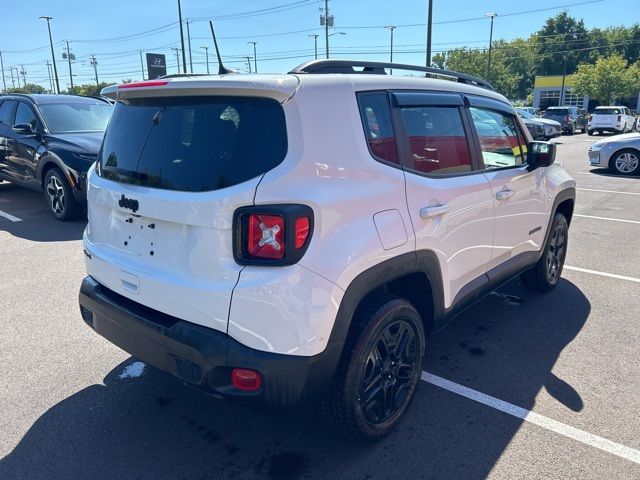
(265, 236)
(246, 380)
(590, 117)
(302, 231)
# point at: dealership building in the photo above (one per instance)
(547, 91)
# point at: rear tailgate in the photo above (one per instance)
(172, 171)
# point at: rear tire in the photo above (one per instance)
(59, 196)
(379, 370)
(590, 133)
(545, 274)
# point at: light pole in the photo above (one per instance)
(391, 29)
(184, 57)
(326, 26)
(248, 57)
(206, 52)
(53, 55)
(17, 76)
(94, 62)
(23, 72)
(491, 16)
(255, 58)
(336, 33)
(4, 83)
(190, 57)
(141, 64)
(50, 78)
(429, 28)
(315, 44)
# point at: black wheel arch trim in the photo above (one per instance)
(562, 196)
(50, 158)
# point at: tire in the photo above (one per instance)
(626, 162)
(545, 274)
(59, 197)
(369, 362)
(590, 133)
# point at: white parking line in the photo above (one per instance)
(8, 216)
(602, 274)
(535, 418)
(608, 176)
(607, 191)
(606, 218)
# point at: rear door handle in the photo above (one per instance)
(434, 211)
(505, 195)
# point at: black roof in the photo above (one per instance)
(41, 98)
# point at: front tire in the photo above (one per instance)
(626, 162)
(378, 371)
(59, 197)
(545, 274)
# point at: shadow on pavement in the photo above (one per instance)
(37, 223)
(605, 172)
(154, 427)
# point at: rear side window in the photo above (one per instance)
(501, 143)
(378, 129)
(193, 144)
(6, 112)
(437, 140)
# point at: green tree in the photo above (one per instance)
(561, 36)
(28, 88)
(607, 79)
(90, 89)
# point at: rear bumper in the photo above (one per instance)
(203, 357)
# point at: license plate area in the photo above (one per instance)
(139, 234)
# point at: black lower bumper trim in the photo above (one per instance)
(204, 357)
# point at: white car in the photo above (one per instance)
(280, 240)
(620, 154)
(610, 119)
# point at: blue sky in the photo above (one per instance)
(282, 35)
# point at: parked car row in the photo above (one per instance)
(48, 142)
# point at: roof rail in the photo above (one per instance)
(378, 68)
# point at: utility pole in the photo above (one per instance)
(13, 83)
(4, 83)
(69, 61)
(141, 64)
(53, 55)
(206, 52)
(184, 56)
(391, 28)
(23, 72)
(189, 38)
(255, 57)
(328, 19)
(315, 44)
(17, 75)
(177, 50)
(429, 29)
(564, 75)
(50, 78)
(249, 62)
(94, 62)
(491, 16)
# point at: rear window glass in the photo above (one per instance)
(607, 111)
(193, 144)
(557, 111)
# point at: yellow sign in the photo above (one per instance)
(552, 81)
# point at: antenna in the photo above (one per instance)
(222, 70)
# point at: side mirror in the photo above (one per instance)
(541, 154)
(24, 129)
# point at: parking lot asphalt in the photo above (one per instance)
(553, 378)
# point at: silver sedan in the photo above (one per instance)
(620, 153)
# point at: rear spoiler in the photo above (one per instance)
(109, 92)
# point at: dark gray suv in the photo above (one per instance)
(571, 118)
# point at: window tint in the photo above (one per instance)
(437, 140)
(500, 141)
(24, 114)
(6, 112)
(193, 143)
(378, 129)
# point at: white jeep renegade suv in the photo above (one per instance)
(278, 240)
